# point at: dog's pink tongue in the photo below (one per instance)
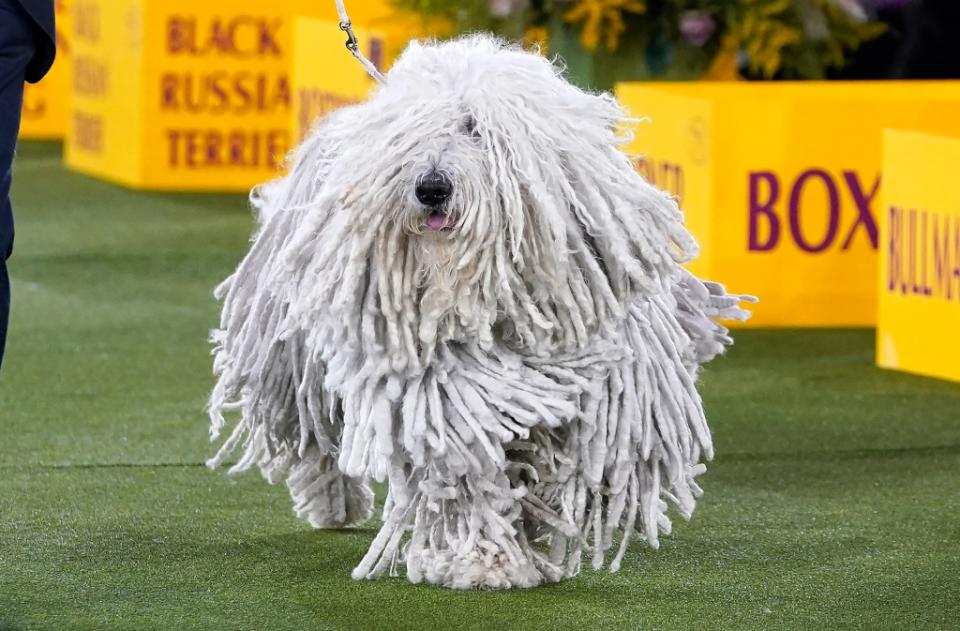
(436, 221)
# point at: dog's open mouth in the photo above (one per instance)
(440, 220)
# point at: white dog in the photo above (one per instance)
(462, 288)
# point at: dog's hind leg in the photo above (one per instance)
(325, 497)
(288, 431)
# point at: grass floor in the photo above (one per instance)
(834, 501)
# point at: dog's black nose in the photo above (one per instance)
(433, 189)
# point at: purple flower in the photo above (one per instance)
(697, 27)
(500, 8)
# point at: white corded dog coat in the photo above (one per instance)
(520, 369)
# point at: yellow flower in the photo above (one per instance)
(763, 35)
(602, 18)
(535, 37)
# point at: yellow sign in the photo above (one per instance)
(187, 95)
(45, 104)
(676, 155)
(918, 327)
(781, 182)
(318, 89)
(104, 130)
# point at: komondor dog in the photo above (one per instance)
(462, 288)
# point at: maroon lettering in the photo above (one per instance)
(833, 205)
(222, 37)
(219, 92)
(956, 253)
(63, 43)
(314, 104)
(219, 95)
(912, 250)
(211, 148)
(180, 35)
(941, 257)
(168, 91)
(276, 147)
(190, 147)
(268, 44)
(86, 21)
(765, 211)
(90, 77)
(763, 208)
(862, 202)
(376, 52)
(927, 290)
(235, 153)
(87, 132)
(212, 153)
(34, 103)
(244, 96)
(173, 142)
(894, 247)
(241, 36)
(923, 263)
(665, 175)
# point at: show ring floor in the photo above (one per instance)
(833, 503)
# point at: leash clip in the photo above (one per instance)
(352, 44)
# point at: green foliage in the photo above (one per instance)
(466, 16)
(797, 39)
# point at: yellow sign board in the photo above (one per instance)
(781, 182)
(104, 129)
(318, 89)
(675, 135)
(45, 104)
(918, 327)
(187, 95)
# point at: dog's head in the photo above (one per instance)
(476, 194)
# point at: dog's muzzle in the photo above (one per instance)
(433, 190)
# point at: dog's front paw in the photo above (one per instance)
(476, 569)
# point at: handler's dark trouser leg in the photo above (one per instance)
(16, 51)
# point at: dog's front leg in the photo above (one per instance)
(468, 533)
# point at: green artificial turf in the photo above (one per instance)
(834, 501)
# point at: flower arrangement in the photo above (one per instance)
(608, 40)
